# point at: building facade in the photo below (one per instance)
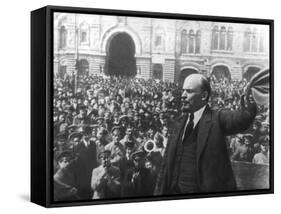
(163, 49)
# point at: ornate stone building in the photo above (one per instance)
(159, 48)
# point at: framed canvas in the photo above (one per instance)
(134, 106)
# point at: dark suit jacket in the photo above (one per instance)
(213, 167)
(83, 166)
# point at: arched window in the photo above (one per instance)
(215, 38)
(84, 33)
(247, 40)
(191, 41)
(83, 36)
(159, 42)
(254, 41)
(198, 41)
(62, 37)
(222, 38)
(183, 41)
(229, 38)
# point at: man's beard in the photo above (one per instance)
(185, 108)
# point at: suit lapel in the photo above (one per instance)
(205, 124)
(175, 138)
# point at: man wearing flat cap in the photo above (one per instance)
(81, 118)
(101, 141)
(197, 159)
(116, 148)
(263, 156)
(74, 140)
(83, 163)
(244, 151)
(123, 124)
(128, 137)
(105, 180)
(60, 143)
(65, 188)
(137, 179)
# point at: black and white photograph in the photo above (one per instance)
(151, 107)
(140, 107)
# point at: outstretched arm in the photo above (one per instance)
(233, 122)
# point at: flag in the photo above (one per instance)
(259, 87)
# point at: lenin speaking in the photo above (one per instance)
(196, 159)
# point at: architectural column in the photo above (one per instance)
(169, 70)
(97, 67)
(143, 67)
(236, 73)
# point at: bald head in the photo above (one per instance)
(194, 78)
(200, 81)
(196, 92)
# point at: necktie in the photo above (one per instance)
(189, 127)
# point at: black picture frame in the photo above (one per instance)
(42, 48)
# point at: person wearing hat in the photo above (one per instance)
(158, 140)
(235, 142)
(137, 179)
(92, 115)
(136, 121)
(64, 180)
(123, 123)
(101, 141)
(130, 147)
(100, 121)
(60, 125)
(108, 121)
(141, 136)
(156, 120)
(81, 118)
(127, 161)
(171, 116)
(128, 136)
(116, 148)
(165, 135)
(263, 156)
(163, 118)
(74, 140)
(60, 143)
(105, 181)
(74, 107)
(115, 119)
(86, 160)
(94, 132)
(151, 132)
(244, 152)
(68, 114)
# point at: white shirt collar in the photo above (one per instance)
(198, 115)
(85, 143)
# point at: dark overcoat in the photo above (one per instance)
(213, 167)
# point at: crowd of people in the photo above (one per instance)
(253, 145)
(111, 134)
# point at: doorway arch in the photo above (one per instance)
(250, 71)
(157, 71)
(221, 72)
(120, 56)
(185, 72)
